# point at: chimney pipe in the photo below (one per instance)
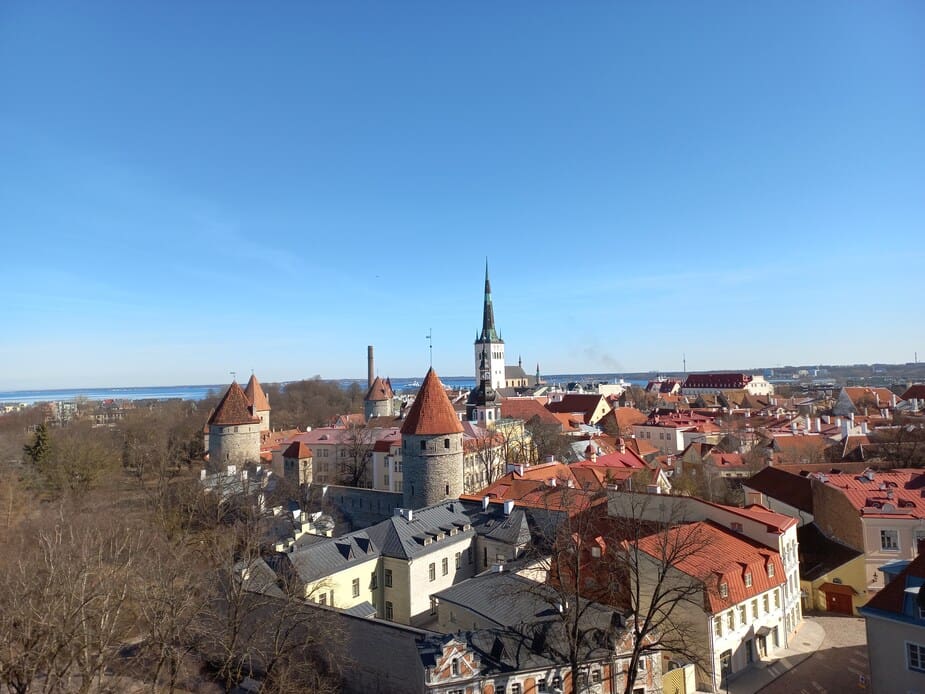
(370, 366)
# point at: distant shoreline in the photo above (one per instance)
(199, 392)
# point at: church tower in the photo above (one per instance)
(488, 342)
(483, 406)
(432, 448)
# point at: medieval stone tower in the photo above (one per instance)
(234, 430)
(488, 343)
(260, 404)
(380, 399)
(432, 448)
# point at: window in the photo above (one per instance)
(541, 685)
(766, 603)
(776, 597)
(748, 579)
(718, 626)
(388, 578)
(323, 599)
(915, 656)
(445, 566)
(754, 609)
(457, 559)
(432, 571)
(515, 688)
(596, 676)
(423, 445)
(556, 682)
(770, 569)
(889, 540)
(731, 620)
(446, 443)
(743, 615)
(641, 666)
(356, 587)
(724, 590)
(388, 610)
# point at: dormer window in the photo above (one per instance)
(724, 590)
(748, 579)
(770, 569)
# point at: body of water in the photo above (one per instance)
(201, 391)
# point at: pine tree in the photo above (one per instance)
(39, 450)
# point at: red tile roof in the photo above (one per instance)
(526, 409)
(233, 409)
(585, 403)
(255, 395)
(431, 413)
(883, 396)
(881, 493)
(380, 390)
(914, 392)
(729, 557)
(299, 450)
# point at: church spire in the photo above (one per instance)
(489, 334)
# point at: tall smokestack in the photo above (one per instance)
(371, 370)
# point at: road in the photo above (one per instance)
(836, 667)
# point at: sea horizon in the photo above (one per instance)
(200, 391)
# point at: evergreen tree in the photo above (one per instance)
(39, 450)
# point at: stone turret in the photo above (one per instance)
(380, 399)
(432, 448)
(259, 402)
(234, 430)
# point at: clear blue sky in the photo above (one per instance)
(188, 189)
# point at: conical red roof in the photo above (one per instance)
(431, 413)
(234, 408)
(379, 390)
(256, 396)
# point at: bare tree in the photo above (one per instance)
(487, 454)
(358, 443)
(647, 541)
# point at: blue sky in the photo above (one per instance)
(188, 189)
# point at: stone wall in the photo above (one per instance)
(434, 473)
(234, 445)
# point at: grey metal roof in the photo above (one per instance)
(324, 558)
(429, 529)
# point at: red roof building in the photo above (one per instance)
(233, 409)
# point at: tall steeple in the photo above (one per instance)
(489, 334)
(488, 344)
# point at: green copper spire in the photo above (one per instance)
(489, 334)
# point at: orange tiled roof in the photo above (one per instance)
(729, 557)
(234, 408)
(255, 395)
(431, 413)
(526, 409)
(881, 493)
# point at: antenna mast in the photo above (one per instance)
(430, 345)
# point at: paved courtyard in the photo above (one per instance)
(836, 667)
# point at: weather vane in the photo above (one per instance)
(430, 345)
